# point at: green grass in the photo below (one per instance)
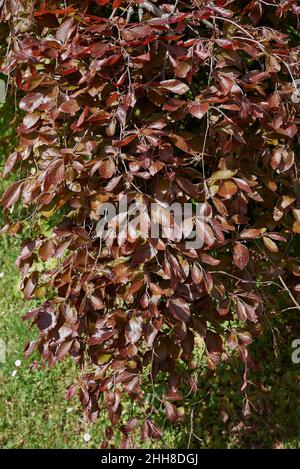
(33, 409)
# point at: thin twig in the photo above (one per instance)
(175, 6)
(286, 288)
(191, 428)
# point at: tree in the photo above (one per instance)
(160, 102)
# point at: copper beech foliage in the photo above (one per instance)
(186, 101)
